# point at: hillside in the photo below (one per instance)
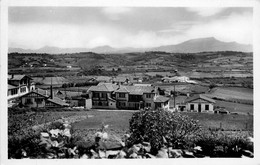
(190, 46)
(205, 45)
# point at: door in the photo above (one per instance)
(199, 107)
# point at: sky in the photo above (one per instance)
(138, 27)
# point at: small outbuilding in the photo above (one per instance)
(200, 103)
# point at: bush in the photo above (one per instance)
(223, 144)
(160, 127)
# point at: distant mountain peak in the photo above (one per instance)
(190, 46)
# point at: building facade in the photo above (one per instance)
(200, 103)
(18, 85)
(111, 96)
(41, 99)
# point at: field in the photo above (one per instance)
(119, 120)
(235, 107)
(235, 94)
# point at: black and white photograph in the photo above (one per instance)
(129, 81)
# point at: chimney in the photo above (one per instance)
(51, 94)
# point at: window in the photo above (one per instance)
(95, 103)
(28, 101)
(38, 100)
(192, 107)
(23, 89)
(148, 95)
(103, 95)
(206, 107)
(14, 91)
(95, 95)
(121, 95)
(148, 104)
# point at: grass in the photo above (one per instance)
(235, 107)
(119, 120)
(226, 122)
(233, 93)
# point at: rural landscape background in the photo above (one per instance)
(66, 52)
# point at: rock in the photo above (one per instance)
(121, 155)
(102, 154)
(162, 153)
(188, 154)
(84, 157)
(134, 149)
(198, 148)
(45, 134)
(105, 136)
(55, 132)
(251, 139)
(133, 155)
(175, 153)
(146, 146)
(150, 156)
(247, 153)
(99, 134)
(66, 132)
(111, 153)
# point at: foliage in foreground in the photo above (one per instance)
(153, 134)
(158, 126)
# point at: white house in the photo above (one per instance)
(18, 85)
(200, 103)
(161, 102)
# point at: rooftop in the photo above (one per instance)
(58, 101)
(104, 87)
(161, 99)
(17, 77)
(200, 96)
(11, 86)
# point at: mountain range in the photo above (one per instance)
(190, 46)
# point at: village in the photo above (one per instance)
(128, 82)
(110, 93)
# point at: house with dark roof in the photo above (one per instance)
(120, 80)
(112, 96)
(161, 102)
(200, 103)
(135, 97)
(19, 85)
(102, 95)
(40, 98)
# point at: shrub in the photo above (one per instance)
(161, 127)
(223, 144)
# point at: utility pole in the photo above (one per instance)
(174, 95)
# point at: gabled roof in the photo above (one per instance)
(39, 92)
(122, 89)
(42, 92)
(58, 101)
(11, 86)
(103, 78)
(104, 87)
(140, 90)
(17, 77)
(161, 99)
(196, 97)
(119, 79)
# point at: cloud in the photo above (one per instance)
(114, 12)
(235, 27)
(205, 11)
